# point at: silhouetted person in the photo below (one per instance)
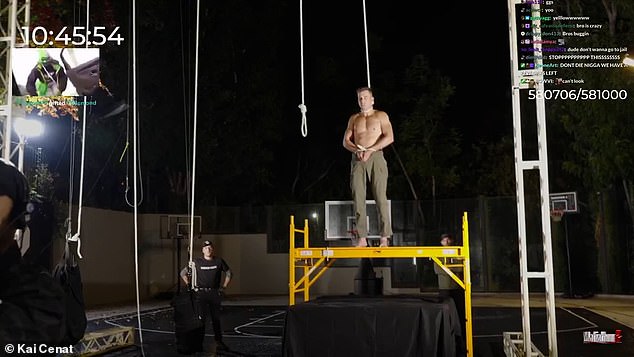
(32, 308)
(449, 288)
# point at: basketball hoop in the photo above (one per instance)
(557, 215)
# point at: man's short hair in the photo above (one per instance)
(361, 89)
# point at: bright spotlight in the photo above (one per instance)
(28, 128)
(314, 215)
(628, 61)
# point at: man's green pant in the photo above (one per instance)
(374, 170)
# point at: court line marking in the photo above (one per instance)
(172, 332)
(240, 334)
(237, 328)
(130, 315)
(590, 323)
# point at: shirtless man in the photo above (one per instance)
(367, 134)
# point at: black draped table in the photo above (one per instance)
(372, 327)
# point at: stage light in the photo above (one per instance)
(314, 215)
(28, 128)
(628, 58)
(25, 128)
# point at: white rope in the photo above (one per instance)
(367, 56)
(302, 106)
(71, 181)
(77, 236)
(195, 126)
(134, 175)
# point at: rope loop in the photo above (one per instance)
(303, 109)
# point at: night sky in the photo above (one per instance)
(469, 44)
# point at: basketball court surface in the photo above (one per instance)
(255, 327)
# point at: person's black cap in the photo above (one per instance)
(207, 243)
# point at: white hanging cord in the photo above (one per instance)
(195, 125)
(77, 236)
(71, 164)
(136, 200)
(367, 56)
(302, 106)
(186, 107)
(135, 159)
(71, 180)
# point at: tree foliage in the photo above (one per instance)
(429, 145)
(596, 147)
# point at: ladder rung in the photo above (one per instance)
(535, 274)
(529, 165)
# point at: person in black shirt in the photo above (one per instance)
(32, 307)
(205, 280)
(448, 288)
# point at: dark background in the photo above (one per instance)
(249, 146)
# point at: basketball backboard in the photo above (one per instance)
(340, 220)
(564, 201)
(178, 226)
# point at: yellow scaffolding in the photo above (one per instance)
(314, 261)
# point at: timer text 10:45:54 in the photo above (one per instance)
(77, 35)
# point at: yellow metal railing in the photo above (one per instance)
(314, 261)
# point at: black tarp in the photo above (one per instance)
(371, 326)
(189, 330)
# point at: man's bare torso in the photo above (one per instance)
(366, 128)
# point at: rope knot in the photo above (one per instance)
(303, 109)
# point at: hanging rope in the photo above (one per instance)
(136, 159)
(195, 126)
(186, 107)
(302, 106)
(135, 149)
(71, 180)
(367, 55)
(77, 236)
(137, 162)
(71, 168)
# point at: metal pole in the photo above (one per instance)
(570, 291)
(603, 252)
(178, 265)
(21, 146)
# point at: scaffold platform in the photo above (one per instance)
(312, 263)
